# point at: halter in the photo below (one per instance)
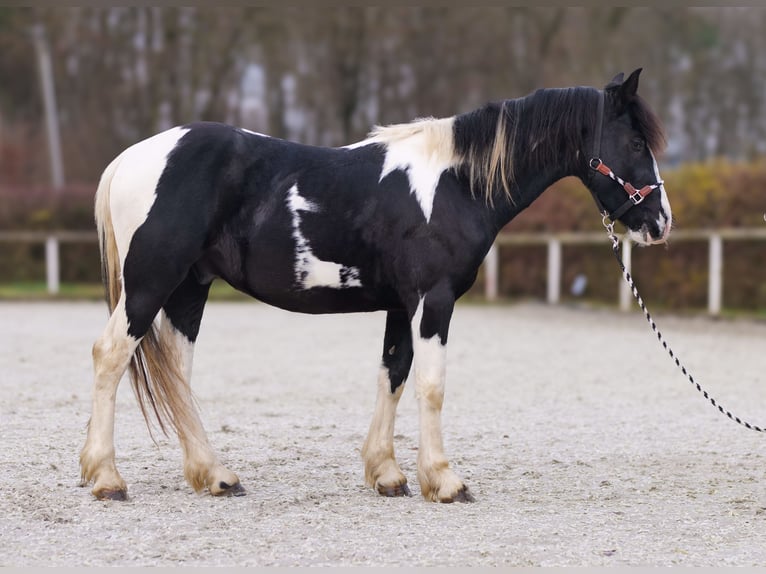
(635, 196)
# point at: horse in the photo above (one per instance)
(399, 222)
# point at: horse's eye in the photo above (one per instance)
(637, 144)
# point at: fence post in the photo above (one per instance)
(52, 264)
(554, 271)
(715, 274)
(490, 273)
(625, 293)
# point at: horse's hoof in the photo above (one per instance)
(112, 494)
(398, 490)
(231, 489)
(461, 495)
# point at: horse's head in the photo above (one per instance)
(623, 174)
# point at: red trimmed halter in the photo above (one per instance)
(635, 196)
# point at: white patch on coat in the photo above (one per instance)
(310, 271)
(251, 132)
(134, 184)
(299, 203)
(423, 149)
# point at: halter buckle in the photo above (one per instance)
(637, 198)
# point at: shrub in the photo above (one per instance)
(715, 194)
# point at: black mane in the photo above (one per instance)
(552, 126)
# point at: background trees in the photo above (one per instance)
(325, 75)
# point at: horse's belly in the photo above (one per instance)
(295, 281)
(324, 300)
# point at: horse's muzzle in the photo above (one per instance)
(645, 237)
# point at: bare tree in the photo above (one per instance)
(327, 74)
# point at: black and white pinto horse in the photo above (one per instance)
(399, 222)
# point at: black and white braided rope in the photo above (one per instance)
(661, 339)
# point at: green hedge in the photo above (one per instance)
(714, 194)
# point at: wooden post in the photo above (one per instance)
(625, 293)
(715, 274)
(554, 271)
(52, 264)
(490, 273)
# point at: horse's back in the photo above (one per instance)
(306, 228)
(180, 183)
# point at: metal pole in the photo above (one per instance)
(490, 273)
(52, 264)
(715, 274)
(49, 101)
(554, 271)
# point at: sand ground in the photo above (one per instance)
(581, 442)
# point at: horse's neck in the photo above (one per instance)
(525, 192)
(528, 186)
(530, 180)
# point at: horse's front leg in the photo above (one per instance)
(381, 470)
(430, 326)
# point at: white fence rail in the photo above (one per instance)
(52, 242)
(553, 241)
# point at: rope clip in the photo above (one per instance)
(608, 224)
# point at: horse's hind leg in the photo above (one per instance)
(111, 355)
(181, 318)
(380, 467)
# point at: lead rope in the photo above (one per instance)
(609, 225)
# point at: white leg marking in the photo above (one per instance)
(134, 184)
(201, 465)
(437, 481)
(310, 271)
(111, 356)
(381, 470)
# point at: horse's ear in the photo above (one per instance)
(623, 91)
(630, 86)
(616, 82)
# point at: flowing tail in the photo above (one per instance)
(110, 259)
(155, 368)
